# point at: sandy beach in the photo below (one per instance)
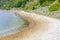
(39, 26)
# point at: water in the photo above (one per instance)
(9, 22)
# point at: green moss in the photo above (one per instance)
(26, 23)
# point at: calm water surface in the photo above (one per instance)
(9, 22)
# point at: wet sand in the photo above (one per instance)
(36, 29)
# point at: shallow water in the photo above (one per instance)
(9, 22)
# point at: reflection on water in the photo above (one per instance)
(9, 21)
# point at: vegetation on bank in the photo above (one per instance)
(29, 4)
(37, 6)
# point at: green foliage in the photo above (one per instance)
(31, 6)
(59, 1)
(55, 7)
(13, 4)
(45, 2)
(28, 4)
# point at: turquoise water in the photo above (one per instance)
(9, 21)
